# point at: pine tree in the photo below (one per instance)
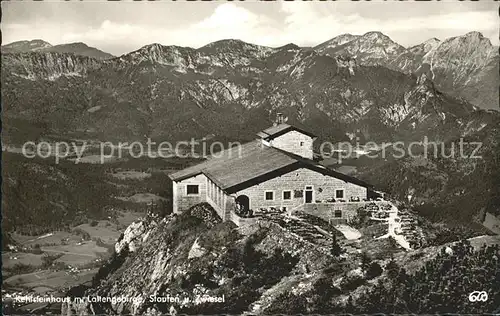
(335, 250)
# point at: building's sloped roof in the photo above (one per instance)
(243, 166)
(280, 129)
(314, 165)
(238, 164)
(252, 165)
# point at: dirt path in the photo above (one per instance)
(349, 232)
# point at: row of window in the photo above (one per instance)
(194, 189)
(287, 194)
(269, 195)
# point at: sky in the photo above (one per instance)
(125, 26)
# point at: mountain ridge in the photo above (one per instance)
(464, 66)
(77, 48)
(250, 79)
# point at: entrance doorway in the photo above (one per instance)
(309, 194)
(243, 203)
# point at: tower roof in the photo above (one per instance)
(280, 129)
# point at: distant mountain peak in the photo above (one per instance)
(233, 45)
(152, 47)
(227, 41)
(375, 35)
(290, 46)
(38, 45)
(336, 41)
(432, 40)
(76, 44)
(472, 38)
(26, 45)
(474, 34)
(80, 48)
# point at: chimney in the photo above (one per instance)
(279, 118)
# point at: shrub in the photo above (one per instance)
(350, 283)
(21, 268)
(392, 269)
(335, 250)
(48, 260)
(37, 250)
(365, 261)
(288, 303)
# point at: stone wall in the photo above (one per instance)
(182, 201)
(292, 141)
(242, 221)
(326, 211)
(323, 188)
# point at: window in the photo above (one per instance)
(287, 195)
(269, 195)
(301, 143)
(338, 213)
(192, 189)
(339, 194)
(309, 187)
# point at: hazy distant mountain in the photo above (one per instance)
(464, 66)
(25, 46)
(80, 49)
(226, 88)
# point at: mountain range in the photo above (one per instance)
(366, 84)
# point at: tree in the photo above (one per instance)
(374, 270)
(392, 269)
(365, 261)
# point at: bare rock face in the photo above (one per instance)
(132, 237)
(372, 48)
(186, 256)
(467, 66)
(464, 66)
(324, 48)
(346, 62)
(196, 250)
(48, 66)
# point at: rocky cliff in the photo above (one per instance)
(194, 256)
(194, 264)
(464, 66)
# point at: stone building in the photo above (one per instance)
(276, 171)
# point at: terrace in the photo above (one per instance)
(341, 212)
